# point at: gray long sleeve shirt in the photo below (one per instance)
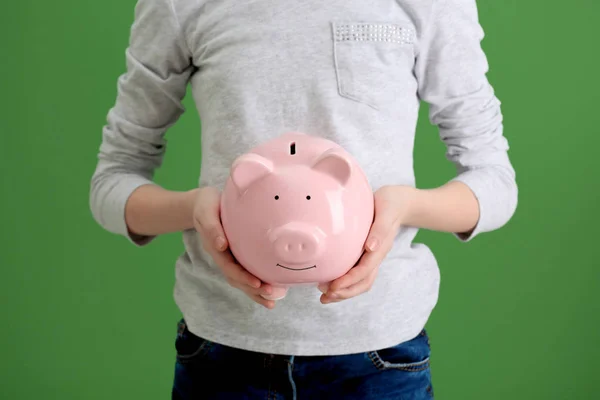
(351, 71)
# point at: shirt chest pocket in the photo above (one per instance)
(374, 61)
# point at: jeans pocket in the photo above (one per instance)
(188, 346)
(410, 356)
(373, 61)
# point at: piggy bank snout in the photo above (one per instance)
(297, 243)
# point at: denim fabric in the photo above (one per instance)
(208, 370)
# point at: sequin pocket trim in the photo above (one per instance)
(360, 32)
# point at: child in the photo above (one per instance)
(353, 72)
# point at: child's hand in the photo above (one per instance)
(207, 222)
(391, 205)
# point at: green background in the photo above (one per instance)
(86, 315)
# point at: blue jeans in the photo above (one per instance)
(207, 370)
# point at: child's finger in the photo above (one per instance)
(238, 274)
(265, 289)
(270, 304)
(367, 263)
(323, 287)
(351, 291)
(353, 276)
(234, 271)
(383, 226)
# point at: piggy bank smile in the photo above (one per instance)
(295, 269)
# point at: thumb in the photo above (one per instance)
(214, 231)
(220, 242)
(209, 222)
(383, 226)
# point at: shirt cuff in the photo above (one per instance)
(481, 186)
(112, 207)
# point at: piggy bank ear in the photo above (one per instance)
(248, 169)
(334, 163)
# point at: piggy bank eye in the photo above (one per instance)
(307, 197)
(277, 197)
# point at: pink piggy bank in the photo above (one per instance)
(297, 210)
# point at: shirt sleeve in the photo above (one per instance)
(149, 101)
(451, 69)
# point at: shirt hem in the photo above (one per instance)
(301, 348)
